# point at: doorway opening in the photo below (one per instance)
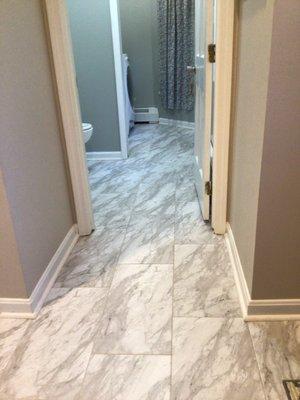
(175, 146)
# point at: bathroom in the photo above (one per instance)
(141, 24)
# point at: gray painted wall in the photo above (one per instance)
(277, 253)
(137, 21)
(31, 152)
(93, 52)
(254, 33)
(141, 43)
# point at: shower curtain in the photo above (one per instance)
(176, 37)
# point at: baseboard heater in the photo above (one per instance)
(147, 114)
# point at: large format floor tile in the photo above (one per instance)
(149, 239)
(151, 288)
(52, 356)
(112, 209)
(213, 359)
(203, 282)
(277, 348)
(93, 260)
(121, 377)
(137, 316)
(11, 332)
(156, 199)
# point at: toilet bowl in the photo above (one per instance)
(87, 131)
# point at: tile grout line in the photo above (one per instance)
(257, 363)
(172, 317)
(104, 308)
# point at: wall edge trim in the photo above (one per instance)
(29, 308)
(258, 310)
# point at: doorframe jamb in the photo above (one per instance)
(61, 54)
(222, 117)
(117, 49)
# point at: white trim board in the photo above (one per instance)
(178, 123)
(222, 112)
(121, 98)
(28, 308)
(258, 310)
(60, 46)
(104, 155)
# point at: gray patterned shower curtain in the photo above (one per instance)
(176, 33)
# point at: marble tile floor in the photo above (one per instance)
(146, 307)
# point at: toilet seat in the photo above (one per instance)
(87, 131)
(86, 126)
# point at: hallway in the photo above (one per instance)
(146, 307)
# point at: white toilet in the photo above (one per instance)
(87, 130)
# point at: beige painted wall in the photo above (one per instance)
(277, 254)
(253, 53)
(31, 153)
(10, 265)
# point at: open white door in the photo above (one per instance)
(204, 23)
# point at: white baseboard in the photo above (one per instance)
(175, 122)
(28, 308)
(239, 277)
(104, 155)
(258, 310)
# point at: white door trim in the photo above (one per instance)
(222, 114)
(62, 57)
(121, 99)
(61, 52)
(64, 72)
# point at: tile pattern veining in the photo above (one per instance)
(146, 307)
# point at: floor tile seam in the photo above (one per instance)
(19, 342)
(126, 230)
(204, 243)
(109, 291)
(147, 263)
(137, 354)
(204, 317)
(172, 318)
(104, 307)
(256, 360)
(94, 338)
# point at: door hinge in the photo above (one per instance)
(208, 188)
(212, 53)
